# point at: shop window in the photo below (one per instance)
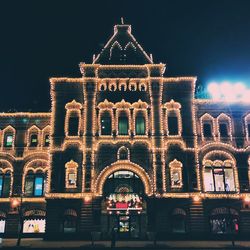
(106, 125)
(46, 140)
(172, 125)
(33, 140)
(5, 181)
(8, 140)
(207, 130)
(219, 179)
(2, 225)
(34, 184)
(34, 225)
(224, 220)
(73, 125)
(178, 221)
(123, 125)
(140, 125)
(223, 129)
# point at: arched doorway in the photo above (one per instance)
(124, 191)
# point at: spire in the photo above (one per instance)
(122, 48)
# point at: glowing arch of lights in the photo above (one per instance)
(123, 165)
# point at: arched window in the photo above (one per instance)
(123, 125)
(123, 153)
(5, 182)
(207, 129)
(140, 125)
(219, 177)
(224, 126)
(33, 140)
(70, 221)
(73, 118)
(34, 184)
(224, 220)
(172, 124)
(178, 220)
(106, 124)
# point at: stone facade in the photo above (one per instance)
(190, 156)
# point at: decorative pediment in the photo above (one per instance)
(105, 104)
(73, 105)
(172, 105)
(123, 104)
(140, 104)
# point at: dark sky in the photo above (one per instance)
(41, 39)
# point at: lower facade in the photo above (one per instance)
(169, 218)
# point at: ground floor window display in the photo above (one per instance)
(224, 221)
(34, 226)
(2, 226)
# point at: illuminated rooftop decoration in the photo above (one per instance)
(229, 92)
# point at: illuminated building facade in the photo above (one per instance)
(129, 149)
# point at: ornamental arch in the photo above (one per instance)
(123, 165)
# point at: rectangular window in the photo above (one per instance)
(223, 130)
(248, 129)
(208, 180)
(123, 125)
(38, 191)
(8, 141)
(73, 125)
(6, 186)
(207, 130)
(46, 144)
(29, 185)
(2, 225)
(172, 125)
(1, 185)
(140, 125)
(33, 140)
(229, 179)
(72, 179)
(106, 125)
(219, 180)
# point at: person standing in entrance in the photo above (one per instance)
(113, 237)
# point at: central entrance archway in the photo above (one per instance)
(124, 200)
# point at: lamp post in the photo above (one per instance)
(17, 203)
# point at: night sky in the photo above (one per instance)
(43, 39)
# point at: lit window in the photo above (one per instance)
(8, 141)
(106, 128)
(71, 174)
(176, 174)
(73, 125)
(46, 141)
(219, 179)
(34, 184)
(140, 125)
(172, 125)
(123, 125)
(33, 140)
(2, 225)
(5, 180)
(223, 130)
(224, 220)
(34, 226)
(207, 130)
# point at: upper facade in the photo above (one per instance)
(124, 114)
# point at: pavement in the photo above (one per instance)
(38, 243)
